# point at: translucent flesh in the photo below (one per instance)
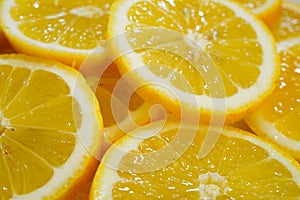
(282, 107)
(38, 119)
(26, 170)
(234, 169)
(189, 39)
(288, 23)
(79, 25)
(5, 187)
(289, 126)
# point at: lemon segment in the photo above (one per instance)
(22, 162)
(53, 147)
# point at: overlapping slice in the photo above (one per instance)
(267, 10)
(194, 56)
(288, 24)
(50, 129)
(141, 166)
(64, 30)
(122, 109)
(278, 117)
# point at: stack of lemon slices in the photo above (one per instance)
(152, 89)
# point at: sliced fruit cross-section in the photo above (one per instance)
(57, 29)
(267, 10)
(50, 129)
(241, 166)
(195, 56)
(121, 107)
(278, 117)
(287, 25)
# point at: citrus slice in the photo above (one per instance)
(194, 56)
(121, 107)
(50, 129)
(240, 166)
(266, 10)
(62, 30)
(277, 118)
(119, 118)
(288, 23)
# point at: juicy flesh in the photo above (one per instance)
(38, 120)
(287, 25)
(234, 169)
(196, 45)
(79, 25)
(283, 106)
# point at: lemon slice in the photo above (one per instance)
(288, 23)
(121, 107)
(277, 118)
(141, 166)
(62, 30)
(266, 10)
(207, 57)
(50, 129)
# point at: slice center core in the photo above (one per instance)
(212, 185)
(195, 40)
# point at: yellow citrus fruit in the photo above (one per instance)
(64, 30)
(288, 23)
(266, 10)
(240, 166)
(122, 109)
(50, 129)
(118, 118)
(277, 119)
(194, 56)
